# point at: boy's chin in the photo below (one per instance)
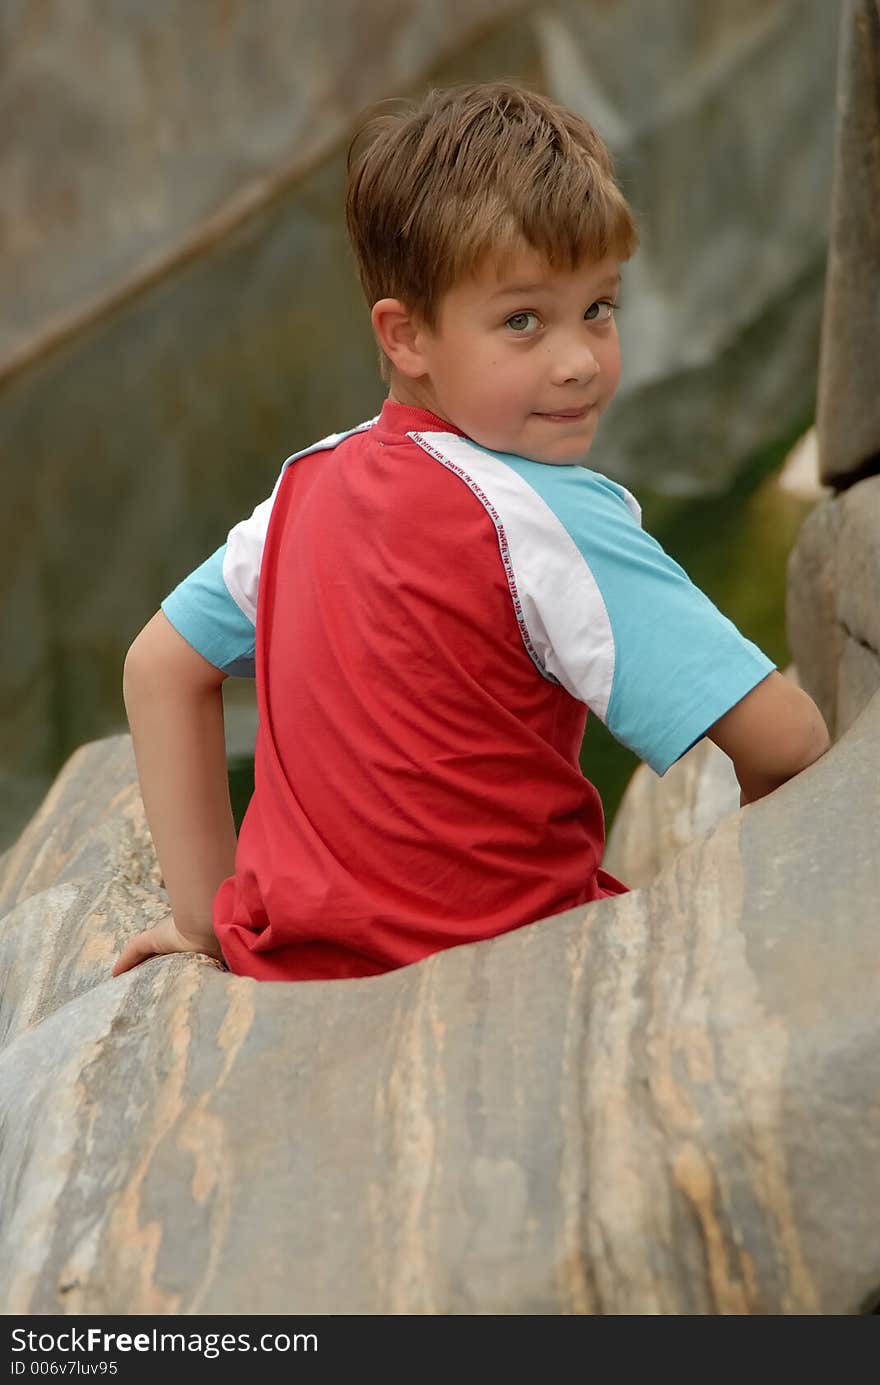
(552, 451)
(573, 455)
(569, 447)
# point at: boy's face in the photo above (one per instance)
(526, 363)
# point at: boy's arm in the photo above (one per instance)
(175, 710)
(771, 735)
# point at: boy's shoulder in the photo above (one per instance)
(576, 494)
(328, 443)
(533, 499)
(571, 489)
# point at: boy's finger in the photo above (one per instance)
(136, 950)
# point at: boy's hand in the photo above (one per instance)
(160, 940)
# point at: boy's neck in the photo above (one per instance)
(417, 395)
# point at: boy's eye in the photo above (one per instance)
(524, 323)
(519, 323)
(603, 303)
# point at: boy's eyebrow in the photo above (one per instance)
(610, 281)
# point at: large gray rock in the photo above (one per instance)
(848, 419)
(833, 603)
(661, 1103)
(657, 818)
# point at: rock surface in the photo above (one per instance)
(661, 1103)
(800, 470)
(658, 818)
(665, 1102)
(174, 121)
(848, 420)
(833, 603)
(178, 120)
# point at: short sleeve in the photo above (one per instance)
(202, 610)
(633, 636)
(215, 607)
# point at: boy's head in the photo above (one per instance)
(488, 231)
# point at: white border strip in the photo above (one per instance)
(559, 608)
(244, 544)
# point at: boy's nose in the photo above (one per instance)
(577, 366)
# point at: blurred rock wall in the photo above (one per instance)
(137, 138)
(849, 387)
(128, 127)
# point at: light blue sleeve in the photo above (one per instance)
(201, 610)
(679, 663)
(215, 607)
(623, 627)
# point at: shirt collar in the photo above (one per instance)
(396, 420)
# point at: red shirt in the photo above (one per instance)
(417, 782)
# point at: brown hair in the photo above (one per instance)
(436, 184)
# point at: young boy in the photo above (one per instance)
(430, 602)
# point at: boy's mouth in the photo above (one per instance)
(567, 415)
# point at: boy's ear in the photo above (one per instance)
(400, 336)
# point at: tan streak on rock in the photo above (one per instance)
(377, 1202)
(440, 1104)
(679, 1041)
(54, 909)
(204, 1136)
(98, 947)
(626, 1209)
(574, 1284)
(518, 1056)
(376, 1226)
(689, 1026)
(238, 1022)
(72, 1281)
(31, 882)
(135, 1247)
(755, 1052)
(752, 1050)
(34, 1219)
(694, 1178)
(768, 1172)
(747, 1270)
(410, 1287)
(673, 1026)
(699, 1057)
(129, 804)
